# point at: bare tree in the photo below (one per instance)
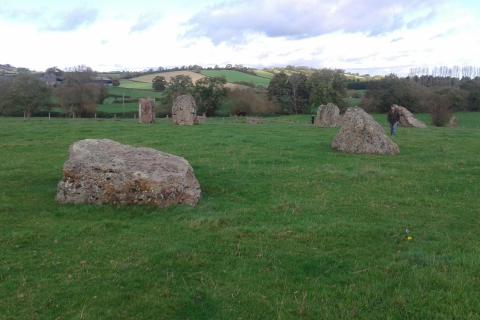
(79, 94)
(23, 93)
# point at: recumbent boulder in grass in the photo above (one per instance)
(184, 110)
(107, 172)
(254, 120)
(328, 116)
(200, 119)
(453, 122)
(407, 119)
(360, 133)
(146, 111)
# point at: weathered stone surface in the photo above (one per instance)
(105, 171)
(146, 111)
(407, 119)
(254, 120)
(328, 116)
(184, 110)
(360, 133)
(453, 122)
(200, 119)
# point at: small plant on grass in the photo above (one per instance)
(440, 110)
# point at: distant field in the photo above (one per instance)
(354, 97)
(236, 76)
(129, 84)
(142, 81)
(112, 75)
(264, 74)
(168, 75)
(133, 93)
(288, 71)
(109, 106)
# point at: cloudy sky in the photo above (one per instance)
(367, 36)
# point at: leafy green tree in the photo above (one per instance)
(180, 84)
(411, 94)
(326, 86)
(24, 93)
(291, 92)
(159, 83)
(209, 93)
(280, 90)
(298, 91)
(472, 87)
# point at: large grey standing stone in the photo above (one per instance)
(360, 133)
(146, 111)
(407, 119)
(105, 171)
(184, 110)
(328, 116)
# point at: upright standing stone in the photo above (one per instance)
(360, 133)
(201, 119)
(328, 116)
(146, 111)
(407, 119)
(105, 171)
(184, 110)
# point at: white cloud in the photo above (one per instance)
(107, 43)
(307, 18)
(72, 19)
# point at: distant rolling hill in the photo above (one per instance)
(6, 69)
(168, 75)
(234, 76)
(145, 82)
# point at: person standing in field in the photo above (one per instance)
(393, 117)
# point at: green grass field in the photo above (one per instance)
(237, 76)
(128, 84)
(118, 107)
(133, 93)
(109, 106)
(264, 74)
(286, 229)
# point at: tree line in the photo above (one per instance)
(78, 94)
(301, 92)
(423, 93)
(294, 91)
(208, 92)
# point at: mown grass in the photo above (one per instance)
(133, 93)
(135, 85)
(286, 229)
(237, 76)
(118, 107)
